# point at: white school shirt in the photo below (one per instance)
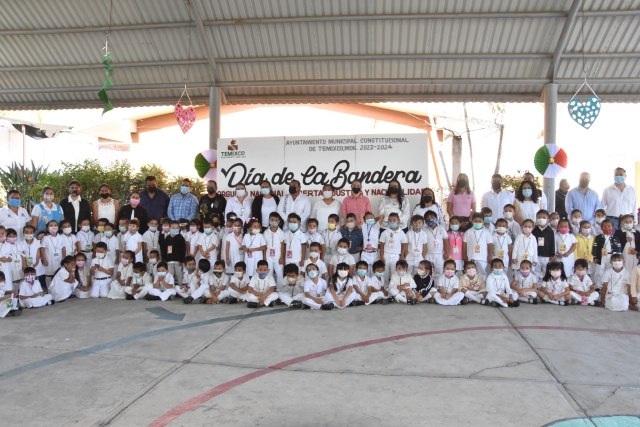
(314, 238)
(68, 242)
(525, 282)
(501, 243)
(208, 240)
(321, 212)
(240, 283)
(28, 290)
(316, 290)
(378, 283)
(363, 283)
(322, 267)
(580, 285)
(30, 252)
(499, 285)
(193, 239)
(293, 246)
(223, 245)
(301, 205)
(217, 283)
(105, 263)
(268, 207)
(97, 238)
(370, 237)
(416, 242)
(525, 246)
(125, 271)
(448, 284)
(52, 250)
(234, 248)
(131, 244)
(346, 258)
(341, 285)
(242, 210)
(435, 240)
(150, 238)
(556, 286)
(393, 241)
(274, 241)
(331, 239)
(168, 279)
(514, 227)
(252, 241)
(396, 281)
(142, 281)
(262, 285)
(16, 256)
(113, 245)
(86, 240)
(477, 243)
(564, 242)
(616, 282)
(189, 279)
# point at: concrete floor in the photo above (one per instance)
(104, 362)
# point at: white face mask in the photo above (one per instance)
(542, 222)
(241, 193)
(351, 225)
(327, 194)
(501, 230)
(292, 280)
(342, 251)
(599, 220)
(255, 231)
(343, 273)
(153, 260)
(627, 226)
(314, 254)
(239, 274)
(66, 230)
(617, 265)
(555, 273)
(422, 273)
(100, 255)
(576, 221)
(508, 215)
(86, 228)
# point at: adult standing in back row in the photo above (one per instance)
(462, 201)
(295, 202)
(154, 200)
(75, 208)
(619, 198)
(212, 202)
(497, 198)
(183, 204)
(356, 203)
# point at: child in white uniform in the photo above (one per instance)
(192, 239)
(502, 247)
(209, 242)
(64, 281)
(370, 240)
(141, 283)
(525, 284)
(150, 238)
(294, 242)
(32, 251)
(132, 241)
(331, 237)
(31, 294)
(234, 252)
(417, 243)
(52, 254)
(478, 244)
(238, 283)
(18, 263)
(68, 240)
(218, 284)
(340, 291)
(449, 286)
(123, 276)
(224, 233)
(315, 252)
(83, 290)
(274, 237)
(102, 271)
(554, 289)
(576, 219)
(362, 285)
(472, 284)
(393, 245)
(315, 289)
(189, 278)
(85, 238)
(313, 235)
(629, 240)
(581, 286)
(437, 243)
(113, 244)
(342, 255)
(200, 290)
(163, 285)
(401, 285)
(512, 225)
(377, 282)
(498, 287)
(615, 285)
(566, 244)
(292, 291)
(254, 247)
(525, 247)
(261, 291)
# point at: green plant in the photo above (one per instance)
(198, 186)
(162, 177)
(25, 180)
(512, 182)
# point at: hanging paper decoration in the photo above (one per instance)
(185, 117)
(550, 160)
(584, 112)
(107, 83)
(206, 165)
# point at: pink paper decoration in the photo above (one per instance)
(185, 117)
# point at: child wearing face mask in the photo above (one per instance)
(546, 242)
(315, 289)
(472, 284)
(189, 278)
(314, 258)
(604, 246)
(238, 283)
(615, 285)
(331, 237)
(17, 265)
(425, 282)
(566, 244)
(502, 247)
(576, 219)
(512, 225)
(68, 239)
(274, 236)
(113, 244)
(600, 216)
(224, 233)
(173, 248)
(163, 286)
(83, 290)
(370, 240)
(31, 294)
(478, 244)
(141, 283)
(629, 238)
(192, 238)
(487, 218)
(554, 219)
(340, 291)
(401, 286)
(525, 248)
(261, 291)
(362, 285)
(150, 239)
(294, 241)
(499, 291)
(342, 256)
(292, 290)
(584, 248)
(449, 286)
(218, 284)
(555, 289)
(209, 242)
(123, 276)
(32, 250)
(393, 245)
(254, 246)
(456, 238)
(154, 259)
(524, 284)
(84, 242)
(353, 234)
(437, 243)
(580, 285)
(101, 270)
(52, 244)
(313, 235)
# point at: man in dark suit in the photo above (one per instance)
(75, 208)
(561, 195)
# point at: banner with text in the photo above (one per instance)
(374, 160)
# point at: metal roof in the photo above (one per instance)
(316, 51)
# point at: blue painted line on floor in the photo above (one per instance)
(601, 421)
(101, 347)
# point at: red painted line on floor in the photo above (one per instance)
(196, 401)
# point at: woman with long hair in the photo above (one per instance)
(461, 201)
(527, 202)
(394, 201)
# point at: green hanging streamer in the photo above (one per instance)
(107, 83)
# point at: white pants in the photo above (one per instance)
(176, 271)
(454, 300)
(549, 300)
(400, 296)
(541, 268)
(62, 291)
(268, 300)
(288, 299)
(36, 302)
(374, 296)
(82, 294)
(378, 295)
(99, 288)
(475, 296)
(438, 263)
(389, 266)
(493, 297)
(590, 299)
(370, 258)
(311, 303)
(164, 295)
(183, 292)
(207, 293)
(239, 295)
(116, 291)
(277, 269)
(143, 292)
(617, 303)
(328, 299)
(527, 294)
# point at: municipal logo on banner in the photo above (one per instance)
(233, 151)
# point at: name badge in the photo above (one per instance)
(249, 254)
(169, 249)
(501, 253)
(605, 252)
(563, 247)
(525, 256)
(391, 241)
(631, 250)
(476, 249)
(289, 254)
(455, 249)
(328, 251)
(56, 256)
(87, 248)
(435, 244)
(416, 252)
(540, 241)
(272, 252)
(368, 247)
(29, 261)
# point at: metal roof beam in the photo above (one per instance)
(204, 39)
(562, 40)
(301, 19)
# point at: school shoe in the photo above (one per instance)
(484, 301)
(202, 300)
(224, 300)
(384, 301)
(412, 301)
(187, 300)
(304, 306)
(17, 312)
(431, 300)
(533, 300)
(49, 303)
(152, 298)
(73, 296)
(233, 300)
(464, 301)
(357, 303)
(252, 305)
(281, 303)
(326, 307)
(295, 304)
(494, 304)
(514, 304)
(129, 297)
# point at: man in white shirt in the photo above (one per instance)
(296, 202)
(619, 198)
(497, 198)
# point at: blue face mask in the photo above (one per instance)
(208, 230)
(175, 231)
(432, 222)
(274, 223)
(527, 192)
(361, 273)
(108, 233)
(162, 274)
(14, 203)
(313, 274)
(265, 191)
(393, 225)
(370, 221)
(153, 228)
(379, 275)
(454, 227)
(477, 226)
(136, 275)
(487, 219)
(619, 179)
(497, 271)
(262, 275)
(184, 189)
(293, 226)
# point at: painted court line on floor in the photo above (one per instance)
(100, 347)
(196, 401)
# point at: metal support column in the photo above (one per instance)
(456, 157)
(550, 113)
(214, 117)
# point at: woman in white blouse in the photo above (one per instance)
(396, 202)
(428, 203)
(527, 202)
(240, 204)
(325, 207)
